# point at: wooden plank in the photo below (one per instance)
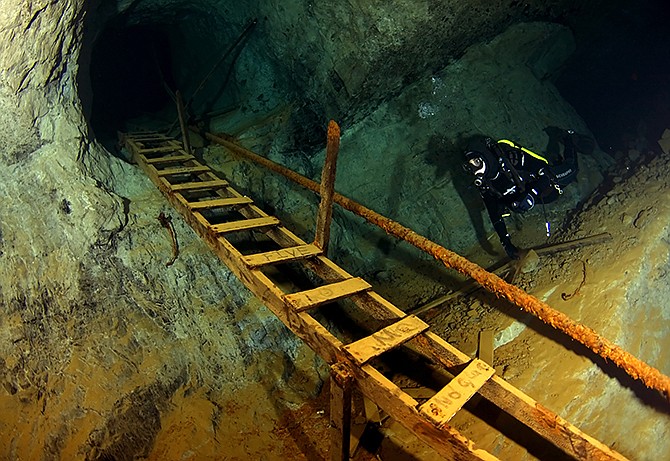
(485, 349)
(444, 405)
(371, 411)
(341, 381)
(183, 170)
(147, 137)
(199, 185)
(281, 256)
(150, 143)
(218, 203)
(244, 224)
(386, 339)
(315, 297)
(168, 159)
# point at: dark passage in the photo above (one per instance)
(141, 57)
(618, 80)
(131, 73)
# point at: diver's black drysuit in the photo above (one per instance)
(510, 177)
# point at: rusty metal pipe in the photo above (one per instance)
(634, 367)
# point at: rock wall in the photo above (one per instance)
(346, 56)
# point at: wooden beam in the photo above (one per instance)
(244, 224)
(169, 159)
(572, 244)
(341, 381)
(151, 150)
(148, 138)
(485, 349)
(327, 188)
(198, 185)
(219, 203)
(183, 170)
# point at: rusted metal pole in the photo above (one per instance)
(634, 367)
(327, 189)
(182, 122)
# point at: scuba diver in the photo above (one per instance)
(510, 177)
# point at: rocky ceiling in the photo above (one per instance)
(340, 61)
(329, 60)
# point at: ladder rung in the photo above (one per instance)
(218, 203)
(145, 139)
(143, 135)
(386, 339)
(444, 405)
(155, 150)
(315, 297)
(244, 224)
(198, 185)
(183, 170)
(282, 256)
(169, 159)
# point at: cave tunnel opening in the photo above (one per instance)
(139, 60)
(131, 72)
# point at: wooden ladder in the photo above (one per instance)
(217, 212)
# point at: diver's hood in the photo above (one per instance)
(478, 148)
